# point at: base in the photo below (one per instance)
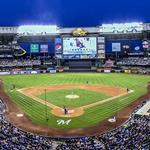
(72, 112)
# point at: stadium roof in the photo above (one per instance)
(114, 28)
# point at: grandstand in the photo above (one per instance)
(35, 111)
(50, 46)
(124, 137)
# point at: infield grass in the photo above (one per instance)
(86, 97)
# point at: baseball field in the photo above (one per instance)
(89, 98)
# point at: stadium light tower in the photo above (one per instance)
(37, 30)
(130, 27)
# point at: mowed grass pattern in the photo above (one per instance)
(36, 111)
(86, 97)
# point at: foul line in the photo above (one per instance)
(38, 99)
(106, 100)
(82, 107)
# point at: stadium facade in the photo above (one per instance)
(86, 47)
(32, 49)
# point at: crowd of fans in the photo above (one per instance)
(143, 71)
(19, 63)
(134, 61)
(108, 64)
(134, 134)
(11, 138)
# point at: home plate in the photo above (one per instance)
(70, 111)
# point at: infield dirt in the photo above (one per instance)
(26, 124)
(114, 92)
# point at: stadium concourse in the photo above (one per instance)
(134, 134)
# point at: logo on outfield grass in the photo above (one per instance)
(63, 122)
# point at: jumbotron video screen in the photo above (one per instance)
(80, 47)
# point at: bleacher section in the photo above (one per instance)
(19, 63)
(134, 61)
(134, 134)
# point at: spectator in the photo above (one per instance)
(134, 134)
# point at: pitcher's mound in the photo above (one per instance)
(72, 112)
(72, 96)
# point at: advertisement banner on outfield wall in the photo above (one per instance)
(4, 73)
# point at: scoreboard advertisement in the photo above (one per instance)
(34, 48)
(44, 48)
(58, 48)
(79, 47)
(101, 47)
(38, 48)
(116, 47)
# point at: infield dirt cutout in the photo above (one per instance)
(32, 92)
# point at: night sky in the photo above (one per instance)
(72, 13)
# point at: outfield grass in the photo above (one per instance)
(86, 97)
(36, 111)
